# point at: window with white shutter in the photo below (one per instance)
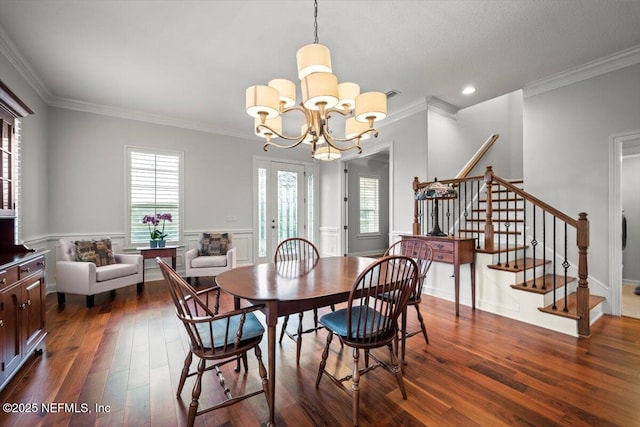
(154, 186)
(369, 205)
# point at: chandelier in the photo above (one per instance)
(322, 96)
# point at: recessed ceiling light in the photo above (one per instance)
(468, 90)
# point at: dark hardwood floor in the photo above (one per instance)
(125, 355)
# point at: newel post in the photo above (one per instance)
(583, 310)
(488, 225)
(416, 223)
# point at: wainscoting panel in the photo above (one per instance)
(242, 239)
(330, 241)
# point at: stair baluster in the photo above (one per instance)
(544, 245)
(565, 265)
(477, 211)
(515, 233)
(507, 224)
(555, 307)
(534, 246)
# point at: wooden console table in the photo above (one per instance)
(456, 251)
(148, 252)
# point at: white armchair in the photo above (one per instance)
(85, 278)
(215, 256)
(197, 265)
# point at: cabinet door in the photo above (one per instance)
(33, 300)
(10, 311)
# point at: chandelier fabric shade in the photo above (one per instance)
(322, 96)
(263, 100)
(319, 90)
(313, 58)
(327, 153)
(347, 92)
(371, 105)
(286, 91)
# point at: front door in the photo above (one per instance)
(284, 205)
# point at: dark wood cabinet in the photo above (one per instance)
(22, 311)
(22, 270)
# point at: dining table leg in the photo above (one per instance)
(272, 320)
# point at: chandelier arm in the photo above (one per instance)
(288, 138)
(292, 145)
(331, 140)
(373, 132)
(336, 110)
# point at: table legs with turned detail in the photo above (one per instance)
(456, 251)
(165, 252)
(290, 290)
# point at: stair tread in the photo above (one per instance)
(506, 199)
(500, 210)
(522, 264)
(470, 230)
(502, 249)
(546, 280)
(572, 306)
(494, 220)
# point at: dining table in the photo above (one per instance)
(291, 287)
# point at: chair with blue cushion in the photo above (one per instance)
(422, 253)
(218, 337)
(369, 322)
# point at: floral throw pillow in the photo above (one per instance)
(99, 252)
(215, 244)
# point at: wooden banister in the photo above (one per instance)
(461, 209)
(479, 155)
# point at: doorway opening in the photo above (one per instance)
(367, 187)
(624, 274)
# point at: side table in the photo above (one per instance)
(456, 251)
(148, 252)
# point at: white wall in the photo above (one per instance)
(454, 141)
(409, 159)
(566, 149)
(87, 173)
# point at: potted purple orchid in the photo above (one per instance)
(157, 236)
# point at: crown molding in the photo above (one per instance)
(88, 107)
(404, 112)
(589, 70)
(437, 105)
(13, 55)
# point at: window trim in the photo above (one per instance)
(127, 191)
(371, 234)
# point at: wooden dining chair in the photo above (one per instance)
(299, 251)
(370, 322)
(420, 251)
(217, 337)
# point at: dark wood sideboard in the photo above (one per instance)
(456, 251)
(22, 270)
(22, 310)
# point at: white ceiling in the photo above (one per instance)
(191, 61)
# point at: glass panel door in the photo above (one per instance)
(281, 210)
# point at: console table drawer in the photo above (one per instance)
(440, 256)
(441, 246)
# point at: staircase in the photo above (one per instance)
(530, 257)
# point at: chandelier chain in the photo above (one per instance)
(315, 21)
